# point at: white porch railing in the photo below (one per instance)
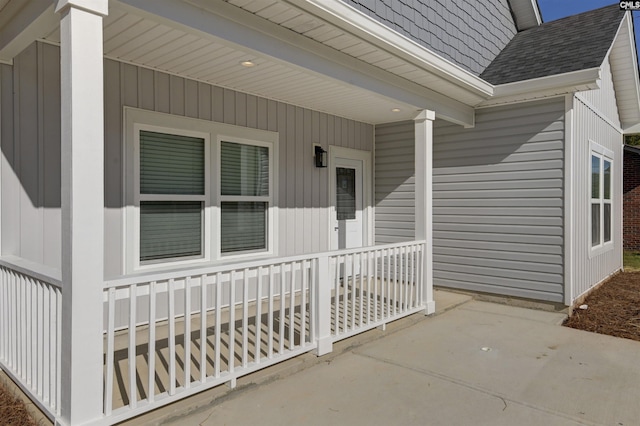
(169, 335)
(30, 313)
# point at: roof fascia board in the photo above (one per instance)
(355, 22)
(21, 23)
(632, 148)
(218, 20)
(627, 23)
(569, 81)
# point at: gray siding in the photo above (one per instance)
(31, 156)
(588, 269)
(470, 34)
(31, 190)
(394, 183)
(498, 202)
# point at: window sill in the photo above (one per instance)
(600, 249)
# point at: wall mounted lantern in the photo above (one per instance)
(321, 156)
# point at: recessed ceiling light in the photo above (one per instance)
(395, 109)
(248, 64)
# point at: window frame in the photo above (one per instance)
(602, 154)
(213, 134)
(269, 199)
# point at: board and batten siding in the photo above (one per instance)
(394, 182)
(30, 102)
(588, 269)
(498, 202)
(469, 34)
(32, 197)
(603, 100)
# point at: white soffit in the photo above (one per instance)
(526, 12)
(624, 68)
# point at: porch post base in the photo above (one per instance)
(430, 308)
(325, 346)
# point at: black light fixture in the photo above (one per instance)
(321, 156)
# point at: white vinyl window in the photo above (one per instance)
(601, 194)
(199, 191)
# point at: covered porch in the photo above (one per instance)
(96, 333)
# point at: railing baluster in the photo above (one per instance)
(152, 343)
(412, 271)
(232, 322)
(108, 393)
(375, 284)
(187, 333)
(40, 343)
(133, 397)
(217, 339)
(203, 328)
(312, 301)
(336, 302)
(258, 319)
(172, 336)
(362, 293)
(245, 318)
(353, 290)
(282, 306)
(292, 308)
(402, 277)
(270, 314)
(58, 379)
(303, 303)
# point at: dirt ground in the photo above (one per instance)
(13, 411)
(613, 308)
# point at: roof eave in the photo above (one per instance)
(542, 87)
(357, 23)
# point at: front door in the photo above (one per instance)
(348, 218)
(349, 186)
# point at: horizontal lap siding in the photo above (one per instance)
(498, 202)
(394, 183)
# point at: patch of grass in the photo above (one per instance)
(631, 260)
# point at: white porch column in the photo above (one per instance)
(82, 198)
(424, 199)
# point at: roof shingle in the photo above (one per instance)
(570, 44)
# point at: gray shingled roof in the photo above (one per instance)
(571, 44)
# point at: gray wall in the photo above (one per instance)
(498, 202)
(31, 150)
(30, 96)
(394, 183)
(470, 34)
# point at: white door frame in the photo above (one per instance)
(367, 190)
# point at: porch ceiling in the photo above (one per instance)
(134, 32)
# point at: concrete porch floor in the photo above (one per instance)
(478, 363)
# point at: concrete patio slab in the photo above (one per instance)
(479, 363)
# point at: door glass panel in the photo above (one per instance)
(345, 193)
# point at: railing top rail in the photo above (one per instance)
(42, 273)
(146, 277)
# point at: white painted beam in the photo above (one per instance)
(220, 21)
(424, 198)
(21, 23)
(82, 198)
